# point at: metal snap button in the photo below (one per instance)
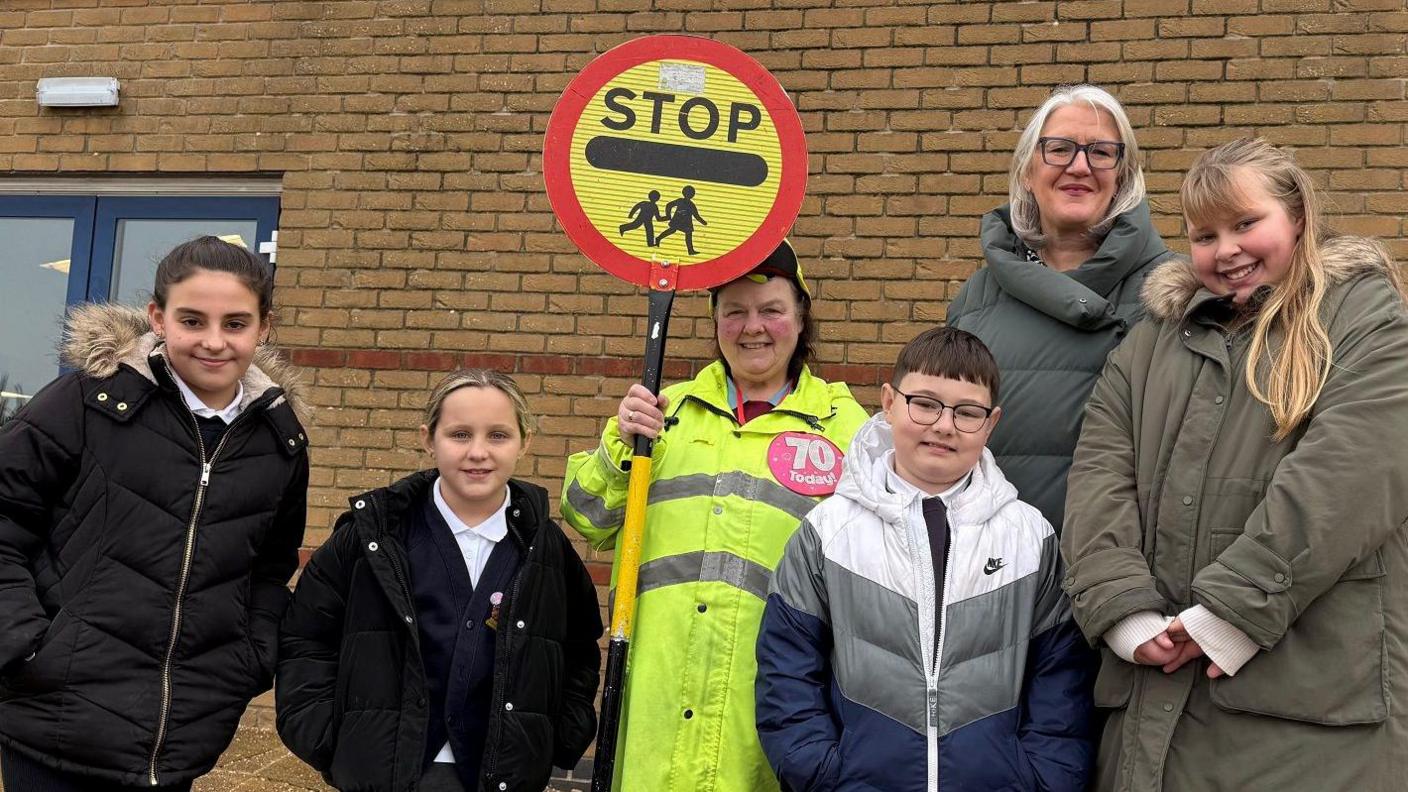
(520, 624)
(373, 546)
(1187, 500)
(361, 504)
(1280, 578)
(718, 510)
(122, 406)
(409, 620)
(102, 397)
(1168, 708)
(292, 442)
(508, 706)
(1218, 400)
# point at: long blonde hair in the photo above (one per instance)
(1298, 366)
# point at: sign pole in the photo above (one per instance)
(663, 278)
(678, 149)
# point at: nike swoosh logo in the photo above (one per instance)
(993, 565)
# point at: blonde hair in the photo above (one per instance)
(1129, 175)
(1296, 370)
(480, 378)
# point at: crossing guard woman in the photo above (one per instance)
(742, 452)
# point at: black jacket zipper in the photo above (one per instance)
(206, 465)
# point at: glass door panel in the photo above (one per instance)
(140, 245)
(132, 234)
(37, 254)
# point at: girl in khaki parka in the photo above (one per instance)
(1235, 521)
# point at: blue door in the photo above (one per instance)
(62, 250)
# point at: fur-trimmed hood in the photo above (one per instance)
(1170, 289)
(98, 337)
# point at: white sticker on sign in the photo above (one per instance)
(682, 77)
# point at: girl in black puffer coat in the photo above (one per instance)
(445, 637)
(152, 504)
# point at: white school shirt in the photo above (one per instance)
(228, 414)
(476, 543)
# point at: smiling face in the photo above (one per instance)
(476, 445)
(1236, 251)
(212, 325)
(933, 458)
(758, 325)
(1074, 198)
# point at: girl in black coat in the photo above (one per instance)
(445, 637)
(152, 504)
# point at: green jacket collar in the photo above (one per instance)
(1081, 297)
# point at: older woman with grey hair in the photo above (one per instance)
(1066, 258)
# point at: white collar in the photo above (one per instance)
(493, 529)
(228, 414)
(898, 485)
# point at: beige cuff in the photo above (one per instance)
(1222, 642)
(1133, 631)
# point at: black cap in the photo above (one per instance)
(781, 263)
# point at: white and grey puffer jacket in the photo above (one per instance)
(849, 694)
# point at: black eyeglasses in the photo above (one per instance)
(1101, 155)
(926, 411)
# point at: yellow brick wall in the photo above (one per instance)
(416, 235)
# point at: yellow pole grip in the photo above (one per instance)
(628, 560)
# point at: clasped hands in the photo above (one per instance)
(1171, 649)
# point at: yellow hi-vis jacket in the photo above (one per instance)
(716, 524)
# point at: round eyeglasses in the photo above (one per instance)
(1101, 155)
(926, 411)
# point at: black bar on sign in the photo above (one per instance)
(676, 162)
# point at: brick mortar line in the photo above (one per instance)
(859, 374)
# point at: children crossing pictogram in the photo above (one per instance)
(645, 214)
(681, 214)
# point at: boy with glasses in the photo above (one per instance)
(916, 635)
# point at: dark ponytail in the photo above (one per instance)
(216, 255)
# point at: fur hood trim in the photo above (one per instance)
(98, 337)
(1170, 289)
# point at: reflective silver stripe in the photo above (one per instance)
(699, 566)
(733, 482)
(593, 508)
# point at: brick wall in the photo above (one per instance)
(416, 235)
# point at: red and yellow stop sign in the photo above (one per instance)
(675, 149)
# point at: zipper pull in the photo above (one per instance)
(205, 474)
(933, 707)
